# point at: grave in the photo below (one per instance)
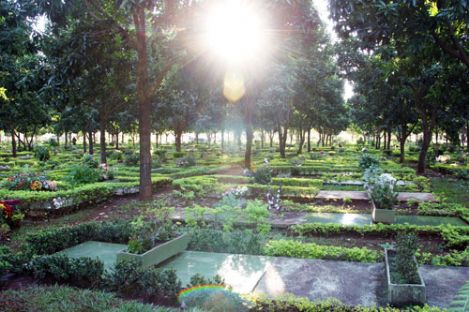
(106, 252)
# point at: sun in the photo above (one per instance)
(234, 32)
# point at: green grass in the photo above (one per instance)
(453, 191)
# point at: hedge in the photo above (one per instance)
(297, 249)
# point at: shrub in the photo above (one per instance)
(89, 161)
(129, 278)
(238, 242)
(82, 174)
(382, 192)
(297, 249)
(367, 160)
(5, 262)
(263, 174)
(131, 159)
(41, 153)
(10, 216)
(49, 241)
(404, 269)
(82, 272)
(178, 154)
(200, 185)
(161, 154)
(116, 155)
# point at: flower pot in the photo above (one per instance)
(404, 294)
(382, 215)
(158, 253)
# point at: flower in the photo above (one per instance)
(36, 185)
(7, 210)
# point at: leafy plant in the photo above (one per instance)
(367, 160)
(404, 268)
(41, 153)
(82, 174)
(382, 192)
(131, 159)
(89, 161)
(263, 174)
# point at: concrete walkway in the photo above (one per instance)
(363, 196)
(352, 283)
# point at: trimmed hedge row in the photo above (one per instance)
(297, 249)
(49, 241)
(290, 303)
(455, 236)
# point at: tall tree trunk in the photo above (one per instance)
(90, 140)
(14, 148)
(427, 137)
(144, 113)
(467, 136)
(66, 138)
(389, 140)
(102, 140)
(262, 138)
(197, 138)
(123, 138)
(247, 152)
(84, 142)
(271, 138)
(117, 140)
(302, 137)
(248, 107)
(309, 140)
(178, 136)
(222, 139)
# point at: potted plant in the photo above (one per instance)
(383, 198)
(154, 241)
(405, 284)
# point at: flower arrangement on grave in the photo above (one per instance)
(26, 181)
(10, 216)
(274, 200)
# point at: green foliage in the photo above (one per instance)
(178, 155)
(367, 160)
(290, 303)
(149, 233)
(116, 155)
(238, 242)
(82, 272)
(89, 161)
(455, 237)
(200, 185)
(161, 154)
(41, 153)
(5, 259)
(131, 159)
(383, 196)
(129, 278)
(257, 212)
(49, 241)
(263, 174)
(62, 298)
(404, 268)
(297, 249)
(82, 174)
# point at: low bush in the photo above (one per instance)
(200, 185)
(49, 241)
(238, 242)
(297, 249)
(82, 272)
(41, 153)
(263, 174)
(130, 279)
(62, 298)
(290, 303)
(367, 160)
(89, 161)
(403, 267)
(131, 159)
(82, 174)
